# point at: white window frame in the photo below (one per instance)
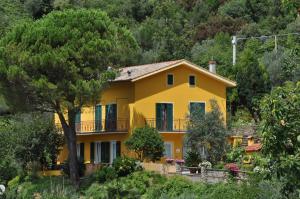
(164, 102)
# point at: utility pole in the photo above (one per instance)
(234, 43)
(235, 39)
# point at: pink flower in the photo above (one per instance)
(179, 161)
(169, 160)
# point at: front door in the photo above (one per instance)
(111, 117)
(164, 116)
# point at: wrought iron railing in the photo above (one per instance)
(175, 125)
(98, 126)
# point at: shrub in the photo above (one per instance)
(147, 143)
(105, 174)
(192, 159)
(235, 155)
(44, 187)
(125, 166)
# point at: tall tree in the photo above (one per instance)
(60, 62)
(207, 132)
(251, 79)
(280, 132)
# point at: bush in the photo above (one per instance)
(9, 168)
(131, 186)
(66, 168)
(44, 187)
(147, 143)
(192, 159)
(125, 166)
(235, 155)
(105, 174)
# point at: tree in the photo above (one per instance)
(251, 79)
(207, 132)
(60, 62)
(147, 143)
(280, 132)
(27, 139)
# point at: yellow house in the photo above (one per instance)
(160, 95)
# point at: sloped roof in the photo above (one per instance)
(253, 147)
(140, 70)
(134, 73)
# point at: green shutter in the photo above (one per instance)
(105, 152)
(169, 117)
(118, 148)
(197, 107)
(92, 152)
(81, 157)
(202, 108)
(98, 117)
(78, 117)
(158, 116)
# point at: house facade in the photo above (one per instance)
(160, 95)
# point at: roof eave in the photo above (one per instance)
(227, 82)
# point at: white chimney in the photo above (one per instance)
(212, 66)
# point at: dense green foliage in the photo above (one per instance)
(207, 132)
(122, 166)
(27, 141)
(148, 185)
(281, 127)
(196, 30)
(192, 159)
(60, 62)
(147, 143)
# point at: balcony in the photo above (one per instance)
(101, 126)
(175, 125)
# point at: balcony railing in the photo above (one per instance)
(177, 125)
(99, 126)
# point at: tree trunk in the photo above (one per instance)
(70, 135)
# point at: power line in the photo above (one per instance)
(235, 39)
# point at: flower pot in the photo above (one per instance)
(193, 170)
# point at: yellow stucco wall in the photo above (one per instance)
(136, 102)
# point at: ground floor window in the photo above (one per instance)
(168, 150)
(105, 152)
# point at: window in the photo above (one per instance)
(111, 117)
(168, 150)
(192, 80)
(197, 107)
(164, 116)
(170, 79)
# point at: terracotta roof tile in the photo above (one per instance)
(253, 147)
(132, 72)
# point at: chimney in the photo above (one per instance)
(212, 66)
(129, 73)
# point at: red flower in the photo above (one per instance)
(233, 168)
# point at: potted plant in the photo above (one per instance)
(192, 159)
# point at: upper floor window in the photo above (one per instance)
(170, 79)
(192, 80)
